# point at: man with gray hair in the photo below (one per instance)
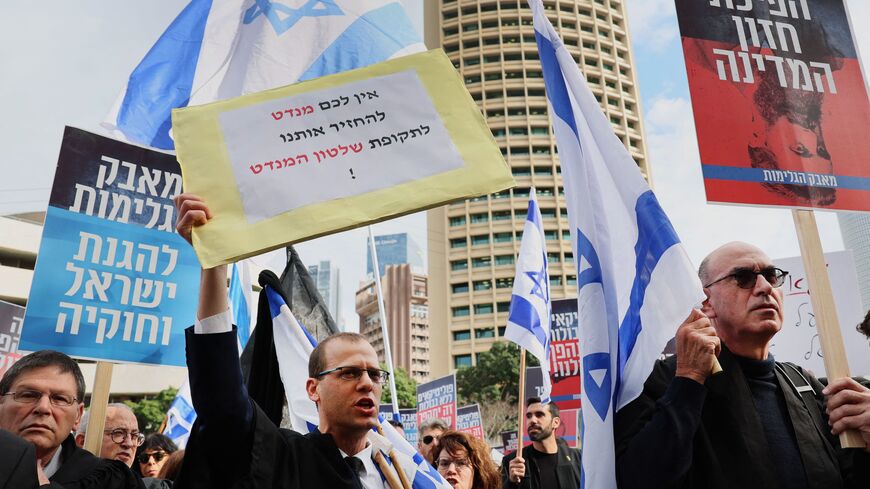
(121, 435)
(430, 431)
(41, 400)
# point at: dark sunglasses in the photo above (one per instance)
(746, 277)
(428, 439)
(158, 456)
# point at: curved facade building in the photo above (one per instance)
(473, 245)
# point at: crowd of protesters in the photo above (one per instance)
(760, 423)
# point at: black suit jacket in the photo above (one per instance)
(17, 462)
(80, 469)
(567, 469)
(233, 444)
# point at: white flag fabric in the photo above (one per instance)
(528, 322)
(215, 50)
(635, 282)
(293, 347)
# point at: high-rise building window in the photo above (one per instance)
(461, 311)
(461, 335)
(460, 361)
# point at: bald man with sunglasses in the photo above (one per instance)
(759, 423)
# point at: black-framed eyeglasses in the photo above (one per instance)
(30, 396)
(119, 435)
(460, 463)
(746, 277)
(377, 375)
(158, 456)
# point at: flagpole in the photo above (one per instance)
(521, 409)
(388, 356)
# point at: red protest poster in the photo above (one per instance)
(781, 108)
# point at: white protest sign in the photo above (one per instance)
(335, 143)
(798, 341)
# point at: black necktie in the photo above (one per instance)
(356, 465)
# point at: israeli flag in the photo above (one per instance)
(180, 417)
(293, 347)
(216, 50)
(529, 318)
(240, 300)
(635, 282)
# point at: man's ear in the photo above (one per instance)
(80, 440)
(311, 389)
(81, 411)
(557, 422)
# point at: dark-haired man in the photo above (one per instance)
(233, 443)
(548, 463)
(759, 423)
(41, 401)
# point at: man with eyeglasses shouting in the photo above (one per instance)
(757, 424)
(41, 401)
(233, 443)
(121, 433)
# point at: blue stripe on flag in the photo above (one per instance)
(372, 38)
(275, 302)
(163, 80)
(557, 92)
(655, 236)
(241, 314)
(525, 315)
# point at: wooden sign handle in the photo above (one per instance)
(822, 298)
(99, 402)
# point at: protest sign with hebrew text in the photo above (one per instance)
(335, 153)
(113, 281)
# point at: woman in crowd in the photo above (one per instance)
(464, 461)
(153, 454)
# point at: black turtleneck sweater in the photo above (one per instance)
(770, 404)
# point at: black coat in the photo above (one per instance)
(17, 462)
(233, 444)
(79, 469)
(567, 469)
(711, 436)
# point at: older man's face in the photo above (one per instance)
(742, 317)
(119, 420)
(43, 423)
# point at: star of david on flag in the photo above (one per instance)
(635, 282)
(529, 318)
(215, 50)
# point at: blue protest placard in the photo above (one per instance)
(469, 420)
(408, 418)
(437, 399)
(113, 281)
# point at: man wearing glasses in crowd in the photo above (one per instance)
(759, 423)
(121, 433)
(233, 443)
(41, 402)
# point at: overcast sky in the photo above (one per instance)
(64, 63)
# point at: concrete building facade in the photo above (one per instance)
(472, 245)
(406, 306)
